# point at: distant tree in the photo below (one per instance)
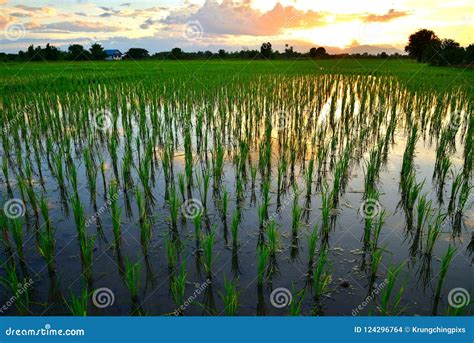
(383, 54)
(449, 53)
(422, 45)
(97, 52)
(176, 53)
(321, 52)
(266, 50)
(469, 55)
(77, 53)
(313, 52)
(222, 53)
(137, 53)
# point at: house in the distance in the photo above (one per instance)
(113, 55)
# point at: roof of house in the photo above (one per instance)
(113, 52)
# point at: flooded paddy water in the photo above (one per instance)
(257, 195)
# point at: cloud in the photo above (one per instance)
(36, 10)
(230, 18)
(74, 26)
(390, 15)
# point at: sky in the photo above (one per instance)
(159, 25)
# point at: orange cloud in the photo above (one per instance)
(390, 15)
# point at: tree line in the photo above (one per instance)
(423, 45)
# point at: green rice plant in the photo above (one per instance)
(78, 304)
(325, 215)
(423, 212)
(273, 238)
(12, 283)
(434, 231)
(321, 276)
(79, 216)
(17, 233)
(377, 228)
(208, 241)
(198, 225)
(132, 278)
(262, 260)
(376, 259)
(407, 165)
(173, 203)
(230, 297)
(387, 306)
(178, 288)
(296, 304)
(456, 186)
(445, 262)
(296, 212)
(172, 254)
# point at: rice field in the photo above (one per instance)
(336, 187)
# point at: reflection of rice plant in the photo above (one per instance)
(262, 260)
(434, 230)
(235, 227)
(116, 211)
(87, 250)
(230, 298)
(46, 239)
